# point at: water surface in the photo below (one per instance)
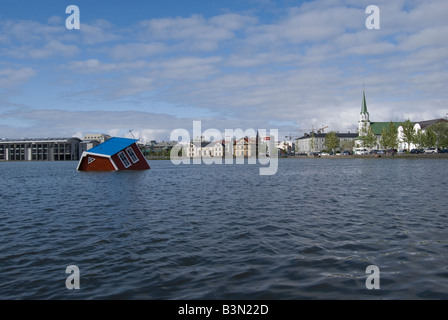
(225, 232)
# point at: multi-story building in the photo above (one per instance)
(100, 137)
(203, 149)
(315, 142)
(246, 147)
(43, 149)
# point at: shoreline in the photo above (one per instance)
(366, 156)
(373, 156)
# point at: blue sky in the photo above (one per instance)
(155, 66)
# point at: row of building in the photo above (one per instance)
(48, 149)
(71, 148)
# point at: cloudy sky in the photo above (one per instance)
(155, 66)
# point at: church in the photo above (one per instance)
(364, 124)
(313, 143)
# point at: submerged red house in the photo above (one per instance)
(113, 154)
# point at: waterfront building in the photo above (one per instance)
(40, 149)
(100, 137)
(418, 126)
(162, 146)
(364, 124)
(285, 147)
(312, 142)
(87, 144)
(205, 149)
(246, 147)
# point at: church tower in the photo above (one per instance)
(364, 122)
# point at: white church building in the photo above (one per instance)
(377, 127)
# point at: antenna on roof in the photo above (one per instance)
(130, 131)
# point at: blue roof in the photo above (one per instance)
(112, 146)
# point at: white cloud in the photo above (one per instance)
(304, 65)
(53, 48)
(11, 77)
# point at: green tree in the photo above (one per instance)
(392, 136)
(312, 143)
(420, 139)
(408, 132)
(368, 137)
(331, 141)
(429, 138)
(347, 145)
(441, 131)
(384, 139)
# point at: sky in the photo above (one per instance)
(156, 66)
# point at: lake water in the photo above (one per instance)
(226, 232)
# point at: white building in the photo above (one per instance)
(198, 149)
(312, 143)
(418, 126)
(100, 137)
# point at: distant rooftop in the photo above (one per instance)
(60, 139)
(323, 135)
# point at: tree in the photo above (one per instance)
(392, 133)
(408, 133)
(389, 136)
(312, 143)
(347, 144)
(420, 139)
(441, 131)
(429, 138)
(384, 139)
(331, 141)
(368, 137)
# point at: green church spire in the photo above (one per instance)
(364, 104)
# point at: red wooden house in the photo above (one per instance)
(113, 154)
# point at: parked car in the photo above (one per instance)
(361, 151)
(346, 153)
(417, 151)
(444, 151)
(431, 150)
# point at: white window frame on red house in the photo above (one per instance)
(132, 154)
(123, 159)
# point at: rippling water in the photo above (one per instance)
(225, 232)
